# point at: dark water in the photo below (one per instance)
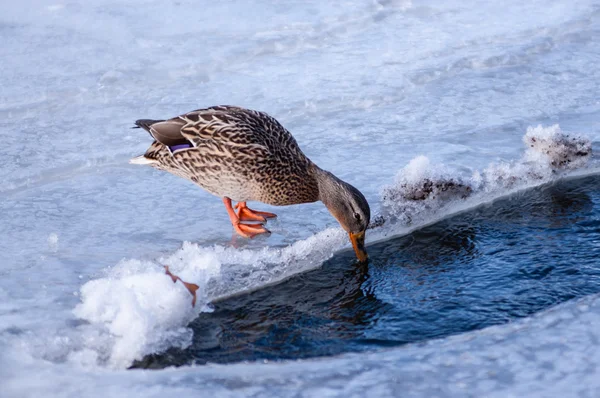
(494, 264)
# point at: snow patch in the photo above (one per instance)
(557, 149)
(423, 191)
(141, 308)
(142, 311)
(53, 241)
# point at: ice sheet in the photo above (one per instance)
(365, 87)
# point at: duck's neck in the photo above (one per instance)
(329, 186)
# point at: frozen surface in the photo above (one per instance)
(385, 94)
(552, 354)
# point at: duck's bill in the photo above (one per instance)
(358, 243)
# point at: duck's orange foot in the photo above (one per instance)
(246, 214)
(250, 230)
(246, 230)
(191, 287)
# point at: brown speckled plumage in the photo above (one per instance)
(244, 155)
(238, 153)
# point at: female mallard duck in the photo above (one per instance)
(240, 154)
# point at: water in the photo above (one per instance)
(497, 263)
(388, 95)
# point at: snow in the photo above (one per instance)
(439, 91)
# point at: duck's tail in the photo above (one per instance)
(143, 160)
(145, 124)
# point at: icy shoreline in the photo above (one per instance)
(367, 86)
(139, 311)
(555, 352)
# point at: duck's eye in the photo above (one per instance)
(357, 216)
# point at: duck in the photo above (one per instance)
(243, 155)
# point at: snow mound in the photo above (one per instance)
(558, 149)
(423, 190)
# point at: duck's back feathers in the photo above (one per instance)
(238, 126)
(234, 152)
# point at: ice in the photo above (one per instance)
(554, 353)
(53, 241)
(364, 86)
(137, 306)
(424, 191)
(144, 312)
(559, 150)
(419, 187)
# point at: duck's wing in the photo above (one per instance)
(167, 132)
(226, 129)
(225, 124)
(236, 126)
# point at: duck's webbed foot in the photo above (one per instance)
(246, 230)
(191, 287)
(244, 213)
(250, 230)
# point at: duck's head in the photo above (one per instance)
(349, 206)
